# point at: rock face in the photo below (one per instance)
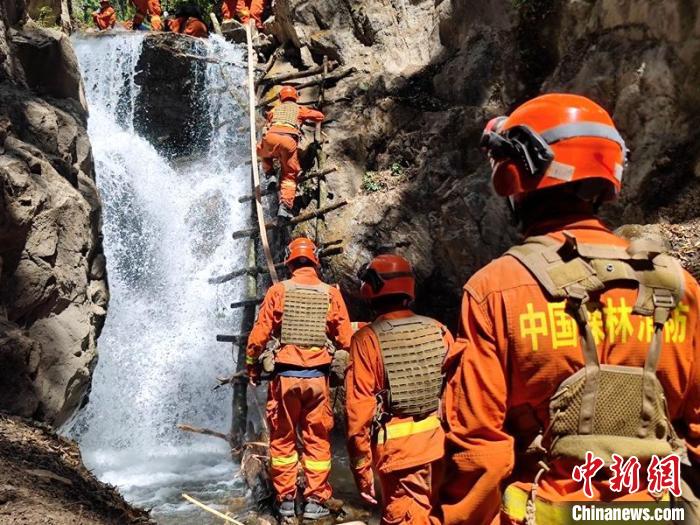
(431, 73)
(170, 102)
(53, 288)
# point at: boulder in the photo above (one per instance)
(53, 289)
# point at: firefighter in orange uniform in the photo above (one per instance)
(150, 9)
(392, 390)
(290, 340)
(244, 10)
(280, 141)
(188, 21)
(105, 17)
(573, 342)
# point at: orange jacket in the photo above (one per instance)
(304, 115)
(514, 349)
(269, 323)
(150, 7)
(105, 18)
(188, 26)
(418, 442)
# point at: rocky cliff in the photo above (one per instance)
(53, 288)
(432, 72)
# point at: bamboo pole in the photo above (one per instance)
(215, 24)
(210, 510)
(254, 155)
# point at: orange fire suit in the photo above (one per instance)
(188, 26)
(244, 10)
(504, 369)
(105, 18)
(280, 142)
(299, 402)
(150, 8)
(407, 458)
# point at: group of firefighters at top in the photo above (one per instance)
(576, 344)
(188, 18)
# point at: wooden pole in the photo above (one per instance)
(254, 155)
(333, 77)
(252, 232)
(299, 74)
(302, 178)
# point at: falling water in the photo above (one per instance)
(167, 228)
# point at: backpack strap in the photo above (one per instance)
(571, 271)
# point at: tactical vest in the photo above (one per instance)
(305, 314)
(286, 114)
(412, 351)
(604, 408)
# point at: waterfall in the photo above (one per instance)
(167, 228)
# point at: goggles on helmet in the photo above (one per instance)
(520, 144)
(376, 280)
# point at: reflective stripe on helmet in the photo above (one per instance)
(583, 129)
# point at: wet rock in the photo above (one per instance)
(172, 98)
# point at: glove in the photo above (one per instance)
(253, 374)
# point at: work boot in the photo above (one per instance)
(286, 508)
(272, 181)
(315, 511)
(285, 213)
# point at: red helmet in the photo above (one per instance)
(288, 93)
(387, 275)
(552, 140)
(301, 247)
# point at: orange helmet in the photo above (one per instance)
(552, 140)
(387, 275)
(301, 247)
(288, 93)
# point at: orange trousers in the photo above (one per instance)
(282, 147)
(407, 494)
(301, 404)
(244, 10)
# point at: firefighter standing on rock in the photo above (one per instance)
(290, 339)
(577, 335)
(392, 391)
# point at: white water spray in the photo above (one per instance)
(166, 230)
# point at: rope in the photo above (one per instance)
(210, 510)
(254, 156)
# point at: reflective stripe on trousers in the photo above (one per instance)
(283, 461)
(400, 430)
(514, 506)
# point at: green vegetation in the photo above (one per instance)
(371, 182)
(46, 18)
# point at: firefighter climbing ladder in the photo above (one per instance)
(258, 235)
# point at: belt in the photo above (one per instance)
(289, 371)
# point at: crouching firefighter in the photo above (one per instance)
(393, 387)
(303, 318)
(280, 141)
(577, 358)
